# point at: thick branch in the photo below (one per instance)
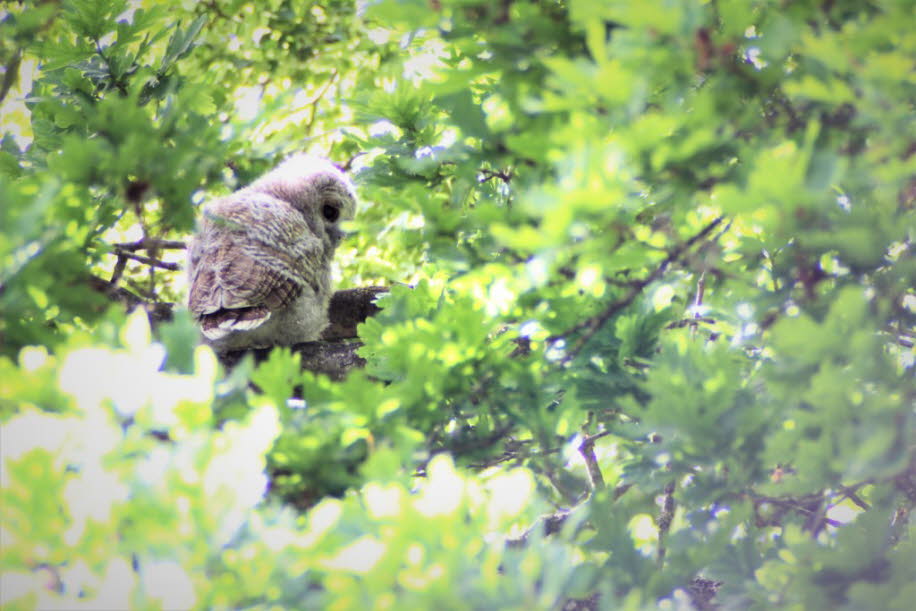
(348, 308)
(332, 355)
(333, 359)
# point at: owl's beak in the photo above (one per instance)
(337, 234)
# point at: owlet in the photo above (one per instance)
(260, 265)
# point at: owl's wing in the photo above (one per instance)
(254, 255)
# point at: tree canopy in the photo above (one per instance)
(648, 338)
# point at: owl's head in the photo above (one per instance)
(314, 186)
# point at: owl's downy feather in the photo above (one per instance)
(260, 264)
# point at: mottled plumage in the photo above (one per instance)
(260, 264)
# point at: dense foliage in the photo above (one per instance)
(649, 336)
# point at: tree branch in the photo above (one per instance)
(172, 267)
(157, 312)
(665, 516)
(333, 355)
(150, 244)
(592, 325)
(587, 449)
(332, 358)
(348, 308)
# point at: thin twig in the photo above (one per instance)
(592, 325)
(11, 74)
(587, 449)
(665, 517)
(118, 270)
(151, 244)
(701, 289)
(313, 103)
(174, 267)
(690, 322)
(505, 176)
(621, 489)
(698, 301)
(851, 494)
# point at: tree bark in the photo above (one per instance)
(335, 353)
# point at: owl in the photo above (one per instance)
(260, 264)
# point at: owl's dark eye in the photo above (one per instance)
(331, 213)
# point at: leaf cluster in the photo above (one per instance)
(649, 334)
